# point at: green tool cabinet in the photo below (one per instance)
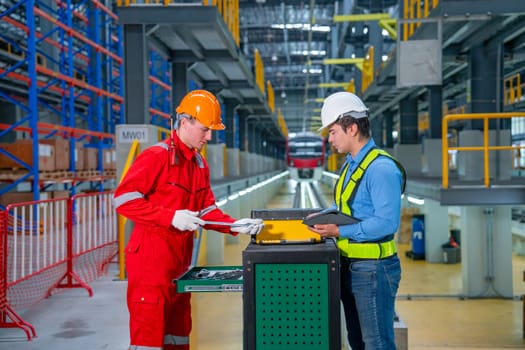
(291, 297)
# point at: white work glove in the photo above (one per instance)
(248, 226)
(186, 220)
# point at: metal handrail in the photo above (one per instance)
(414, 9)
(513, 89)
(485, 147)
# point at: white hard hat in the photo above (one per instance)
(335, 105)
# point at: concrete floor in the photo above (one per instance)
(435, 318)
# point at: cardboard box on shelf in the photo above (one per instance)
(62, 153)
(110, 159)
(79, 157)
(15, 197)
(90, 158)
(23, 149)
(60, 194)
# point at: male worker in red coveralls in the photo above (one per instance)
(167, 194)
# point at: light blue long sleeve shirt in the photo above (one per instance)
(377, 201)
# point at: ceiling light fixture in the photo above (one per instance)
(302, 26)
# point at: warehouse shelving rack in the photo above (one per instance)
(63, 63)
(160, 89)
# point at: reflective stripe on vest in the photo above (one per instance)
(366, 250)
(142, 347)
(343, 198)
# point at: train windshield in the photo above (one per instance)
(305, 148)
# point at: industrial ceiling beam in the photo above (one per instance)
(330, 85)
(361, 17)
(343, 61)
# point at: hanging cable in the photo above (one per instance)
(308, 62)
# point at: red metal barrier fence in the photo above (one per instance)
(53, 244)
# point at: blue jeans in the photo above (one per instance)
(368, 292)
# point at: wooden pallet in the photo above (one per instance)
(12, 174)
(84, 174)
(15, 174)
(56, 175)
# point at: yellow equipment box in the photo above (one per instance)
(284, 226)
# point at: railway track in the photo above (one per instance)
(308, 194)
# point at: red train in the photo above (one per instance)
(305, 156)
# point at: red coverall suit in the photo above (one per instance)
(155, 187)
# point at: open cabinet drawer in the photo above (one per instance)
(211, 279)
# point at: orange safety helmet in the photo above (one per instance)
(203, 106)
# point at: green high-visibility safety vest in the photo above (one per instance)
(345, 196)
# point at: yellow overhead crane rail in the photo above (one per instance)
(259, 70)
(385, 21)
(282, 123)
(365, 65)
(329, 85)
(416, 9)
(271, 96)
(229, 9)
(361, 17)
(349, 87)
(367, 73)
(513, 89)
(412, 9)
(357, 61)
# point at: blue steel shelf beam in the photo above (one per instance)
(160, 87)
(30, 108)
(69, 58)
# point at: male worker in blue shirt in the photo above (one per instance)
(369, 188)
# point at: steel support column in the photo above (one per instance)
(435, 115)
(484, 80)
(376, 130)
(229, 133)
(136, 75)
(408, 133)
(179, 77)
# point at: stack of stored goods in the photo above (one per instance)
(15, 197)
(23, 149)
(90, 158)
(109, 161)
(79, 157)
(62, 153)
(22, 197)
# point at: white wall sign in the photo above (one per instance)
(126, 134)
